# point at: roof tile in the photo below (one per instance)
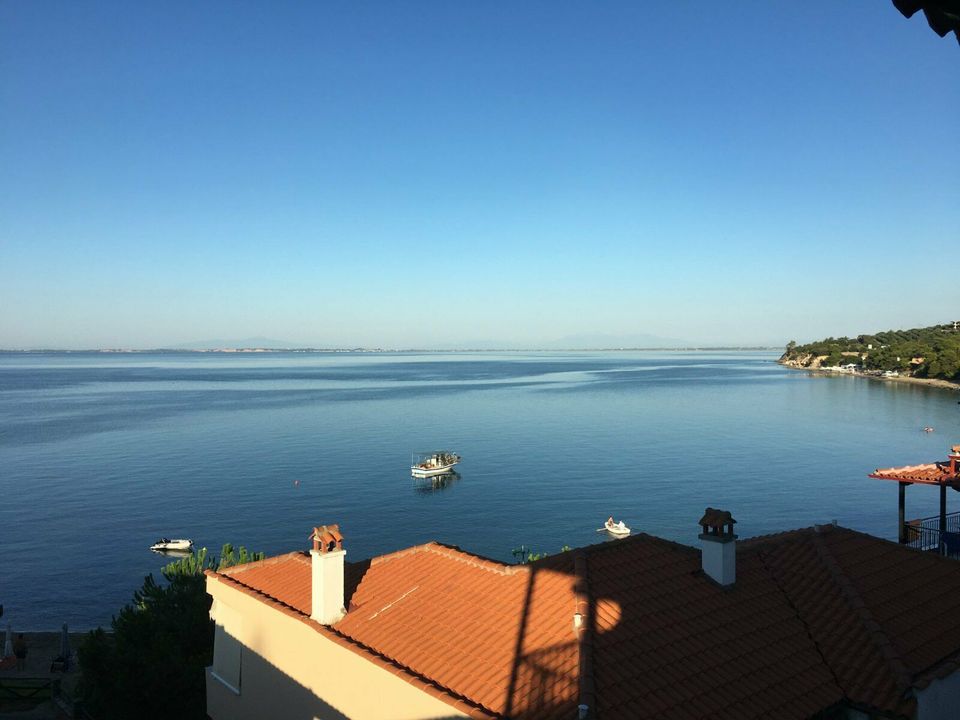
(816, 617)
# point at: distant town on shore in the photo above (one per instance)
(930, 353)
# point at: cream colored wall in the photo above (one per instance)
(289, 671)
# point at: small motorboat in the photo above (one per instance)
(617, 529)
(168, 544)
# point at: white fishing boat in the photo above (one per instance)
(168, 544)
(617, 529)
(433, 463)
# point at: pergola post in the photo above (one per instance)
(902, 532)
(943, 510)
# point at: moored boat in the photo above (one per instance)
(168, 544)
(433, 463)
(619, 529)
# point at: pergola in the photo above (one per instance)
(942, 474)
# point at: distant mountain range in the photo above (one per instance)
(585, 341)
(582, 341)
(601, 341)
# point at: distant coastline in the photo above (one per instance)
(928, 355)
(871, 375)
(264, 350)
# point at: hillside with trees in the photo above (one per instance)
(931, 352)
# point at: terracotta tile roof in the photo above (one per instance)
(817, 617)
(454, 618)
(680, 645)
(285, 578)
(935, 473)
(929, 473)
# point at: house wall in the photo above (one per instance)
(289, 671)
(940, 700)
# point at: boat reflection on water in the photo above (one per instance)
(173, 553)
(436, 482)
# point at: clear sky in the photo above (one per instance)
(404, 174)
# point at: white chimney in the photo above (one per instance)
(719, 546)
(327, 568)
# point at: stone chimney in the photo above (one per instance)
(954, 456)
(327, 587)
(719, 546)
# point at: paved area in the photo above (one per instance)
(42, 648)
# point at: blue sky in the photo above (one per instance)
(412, 174)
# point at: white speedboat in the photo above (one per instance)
(429, 464)
(617, 529)
(168, 544)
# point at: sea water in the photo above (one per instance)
(101, 454)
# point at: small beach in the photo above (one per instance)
(928, 382)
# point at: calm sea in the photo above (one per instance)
(101, 454)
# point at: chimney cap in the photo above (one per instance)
(717, 522)
(326, 538)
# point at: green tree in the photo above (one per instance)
(525, 555)
(834, 359)
(152, 664)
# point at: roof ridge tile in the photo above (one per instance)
(902, 676)
(454, 553)
(758, 542)
(771, 573)
(272, 560)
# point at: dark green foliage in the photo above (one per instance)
(835, 358)
(152, 664)
(228, 557)
(193, 564)
(525, 555)
(939, 346)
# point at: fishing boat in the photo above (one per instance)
(433, 463)
(618, 529)
(168, 544)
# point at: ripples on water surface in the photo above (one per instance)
(102, 454)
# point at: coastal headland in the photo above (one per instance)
(798, 364)
(926, 356)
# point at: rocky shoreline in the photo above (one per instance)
(929, 382)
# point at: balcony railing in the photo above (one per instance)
(924, 534)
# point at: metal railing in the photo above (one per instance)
(15, 688)
(924, 534)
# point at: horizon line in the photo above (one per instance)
(361, 349)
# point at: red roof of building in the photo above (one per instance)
(935, 473)
(927, 474)
(816, 618)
